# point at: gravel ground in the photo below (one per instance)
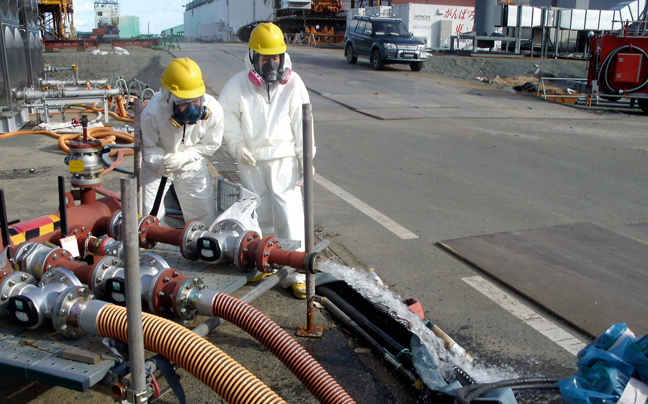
(488, 68)
(147, 65)
(144, 64)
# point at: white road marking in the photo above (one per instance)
(383, 220)
(541, 324)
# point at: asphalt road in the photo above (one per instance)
(443, 159)
(404, 160)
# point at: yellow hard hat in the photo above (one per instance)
(183, 78)
(267, 39)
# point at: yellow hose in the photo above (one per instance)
(210, 365)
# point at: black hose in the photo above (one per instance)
(158, 197)
(467, 394)
(603, 72)
(384, 339)
(62, 206)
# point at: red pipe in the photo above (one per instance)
(283, 346)
(93, 216)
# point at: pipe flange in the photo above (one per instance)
(244, 252)
(164, 288)
(115, 224)
(67, 310)
(186, 296)
(81, 233)
(102, 270)
(228, 227)
(8, 282)
(188, 244)
(55, 256)
(60, 275)
(153, 260)
(145, 223)
(263, 253)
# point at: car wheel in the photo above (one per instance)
(376, 60)
(643, 104)
(416, 66)
(351, 59)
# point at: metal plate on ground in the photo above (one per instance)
(225, 278)
(35, 355)
(588, 276)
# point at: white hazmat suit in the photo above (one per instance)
(270, 132)
(188, 146)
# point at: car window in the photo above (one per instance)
(360, 28)
(353, 25)
(367, 28)
(390, 28)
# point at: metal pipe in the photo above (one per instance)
(63, 206)
(137, 152)
(137, 392)
(6, 242)
(30, 94)
(309, 227)
(50, 82)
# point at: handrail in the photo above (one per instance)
(541, 83)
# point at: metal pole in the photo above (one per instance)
(137, 390)
(309, 219)
(137, 149)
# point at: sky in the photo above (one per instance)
(154, 15)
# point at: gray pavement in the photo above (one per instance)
(442, 158)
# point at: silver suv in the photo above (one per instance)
(383, 41)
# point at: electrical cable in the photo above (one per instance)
(468, 393)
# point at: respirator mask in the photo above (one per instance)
(189, 115)
(269, 72)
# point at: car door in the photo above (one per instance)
(366, 37)
(360, 40)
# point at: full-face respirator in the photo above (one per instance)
(269, 72)
(190, 115)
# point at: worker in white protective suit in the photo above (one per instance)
(263, 129)
(181, 126)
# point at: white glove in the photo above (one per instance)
(244, 155)
(174, 161)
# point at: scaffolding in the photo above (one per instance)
(55, 18)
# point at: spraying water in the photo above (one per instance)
(372, 289)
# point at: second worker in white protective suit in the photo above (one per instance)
(181, 126)
(262, 106)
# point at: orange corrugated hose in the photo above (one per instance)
(193, 353)
(106, 135)
(283, 346)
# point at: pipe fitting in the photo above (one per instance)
(106, 246)
(12, 284)
(35, 304)
(67, 310)
(85, 163)
(36, 259)
(308, 263)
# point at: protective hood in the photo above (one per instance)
(267, 122)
